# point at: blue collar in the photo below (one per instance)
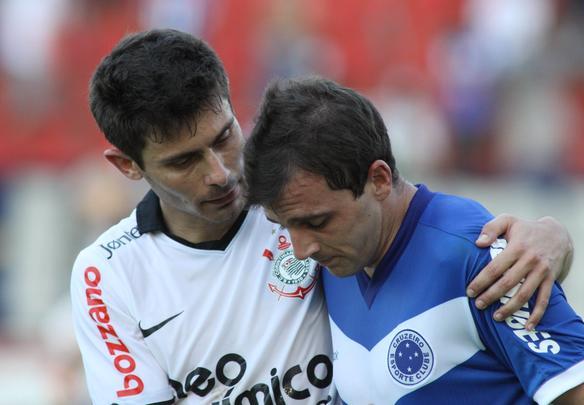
(370, 286)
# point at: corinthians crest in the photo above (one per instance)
(293, 278)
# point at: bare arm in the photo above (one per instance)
(573, 397)
(538, 252)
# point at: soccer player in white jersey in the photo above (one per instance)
(193, 298)
(404, 332)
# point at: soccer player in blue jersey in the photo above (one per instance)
(400, 258)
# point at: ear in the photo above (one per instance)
(123, 163)
(379, 178)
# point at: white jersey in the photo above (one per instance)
(236, 321)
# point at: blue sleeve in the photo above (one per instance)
(538, 355)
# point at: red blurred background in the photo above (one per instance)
(466, 67)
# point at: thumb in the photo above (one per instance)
(495, 228)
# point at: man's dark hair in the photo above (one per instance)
(154, 84)
(318, 126)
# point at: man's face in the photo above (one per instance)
(330, 226)
(200, 175)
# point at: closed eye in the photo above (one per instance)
(317, 223)
(183, 161)
(225, 136)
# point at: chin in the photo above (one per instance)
(225, 214)
(341, 272)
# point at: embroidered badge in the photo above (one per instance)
(410, 359)
(293, 278)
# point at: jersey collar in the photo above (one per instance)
(149, 219)
(370, 286)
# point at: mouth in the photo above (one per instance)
(226, 198)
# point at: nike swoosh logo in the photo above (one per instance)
(147, 332)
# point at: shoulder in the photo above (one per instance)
(448, 229)
(456, 216)
(257, 217)
(103, 254)
(256, 227)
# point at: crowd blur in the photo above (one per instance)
(483, 96)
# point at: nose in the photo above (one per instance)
(218, 173)
(304, 245)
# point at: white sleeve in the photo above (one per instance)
(119, 367)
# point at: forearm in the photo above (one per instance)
(575, 396)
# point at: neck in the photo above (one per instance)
(192, 228)
(393, 216)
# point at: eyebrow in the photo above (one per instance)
(300, 220)
(196, 152)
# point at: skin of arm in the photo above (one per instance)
(575, 396)
(538, 252)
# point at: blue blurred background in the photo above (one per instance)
(483, 98)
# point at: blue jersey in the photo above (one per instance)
(409, 335)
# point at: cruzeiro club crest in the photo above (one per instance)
(295, 278)
(410, 359)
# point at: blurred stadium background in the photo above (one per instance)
(484, 98)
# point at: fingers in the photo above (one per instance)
(495, 227)
(541, 303)
(490, 277)
(516, 286)
(513, 302)
(533, 257)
